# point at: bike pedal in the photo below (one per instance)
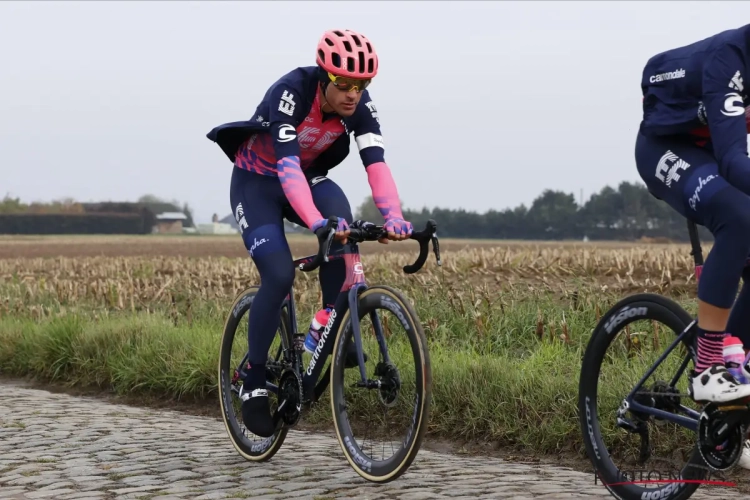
(734, 407)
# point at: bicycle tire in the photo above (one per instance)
(388, 470)
(657, 308)
(267, 447)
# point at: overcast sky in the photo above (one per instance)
(482, 105)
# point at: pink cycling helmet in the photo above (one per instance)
(347, 53)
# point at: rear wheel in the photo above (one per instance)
(231, 357)
(394, 412)
(626, 342)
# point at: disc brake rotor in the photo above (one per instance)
(391, 383)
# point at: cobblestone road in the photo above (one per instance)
(59, 446)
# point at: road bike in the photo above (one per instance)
(400, 384)
(713, 434)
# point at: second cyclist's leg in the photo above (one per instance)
(257, 202)
(686, 177)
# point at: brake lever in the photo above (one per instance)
(325, 240)
(332, 224)
(436, 248)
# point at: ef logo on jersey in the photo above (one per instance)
(286, 104)
(670, 164)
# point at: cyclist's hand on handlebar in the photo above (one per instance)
(397, 229)
(342, 229)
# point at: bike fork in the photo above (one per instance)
(354, 311)
(354, 293)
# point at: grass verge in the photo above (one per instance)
(502, 372)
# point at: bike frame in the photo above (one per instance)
(347, 300)
(691, 420)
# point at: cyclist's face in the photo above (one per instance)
(343, 103)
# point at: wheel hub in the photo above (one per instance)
(669, 398)
(390, 383)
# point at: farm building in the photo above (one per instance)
(169, 223)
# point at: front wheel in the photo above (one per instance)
(394, 409)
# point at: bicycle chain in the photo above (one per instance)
(670, 394)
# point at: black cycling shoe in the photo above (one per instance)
(256, 412)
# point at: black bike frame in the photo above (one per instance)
(690, 421)
(347, 300)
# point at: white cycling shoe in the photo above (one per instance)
(715, 384)
(745, 458)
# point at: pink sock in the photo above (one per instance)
(710, 349)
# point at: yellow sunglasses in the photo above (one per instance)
(345, 84)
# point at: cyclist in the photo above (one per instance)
(299, 131)
(691, 151)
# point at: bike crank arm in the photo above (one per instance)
(277, 414)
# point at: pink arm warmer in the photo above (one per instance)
(297, 191)
(384, 192)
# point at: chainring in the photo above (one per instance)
(728, 453)
(290, 390)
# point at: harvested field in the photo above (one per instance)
(142, 269)
(231, 245)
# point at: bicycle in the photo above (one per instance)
(721, 429)
(296, 387)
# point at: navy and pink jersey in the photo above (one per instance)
(314, 135)
(699, 90)
(289, 123)
(289, 134)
